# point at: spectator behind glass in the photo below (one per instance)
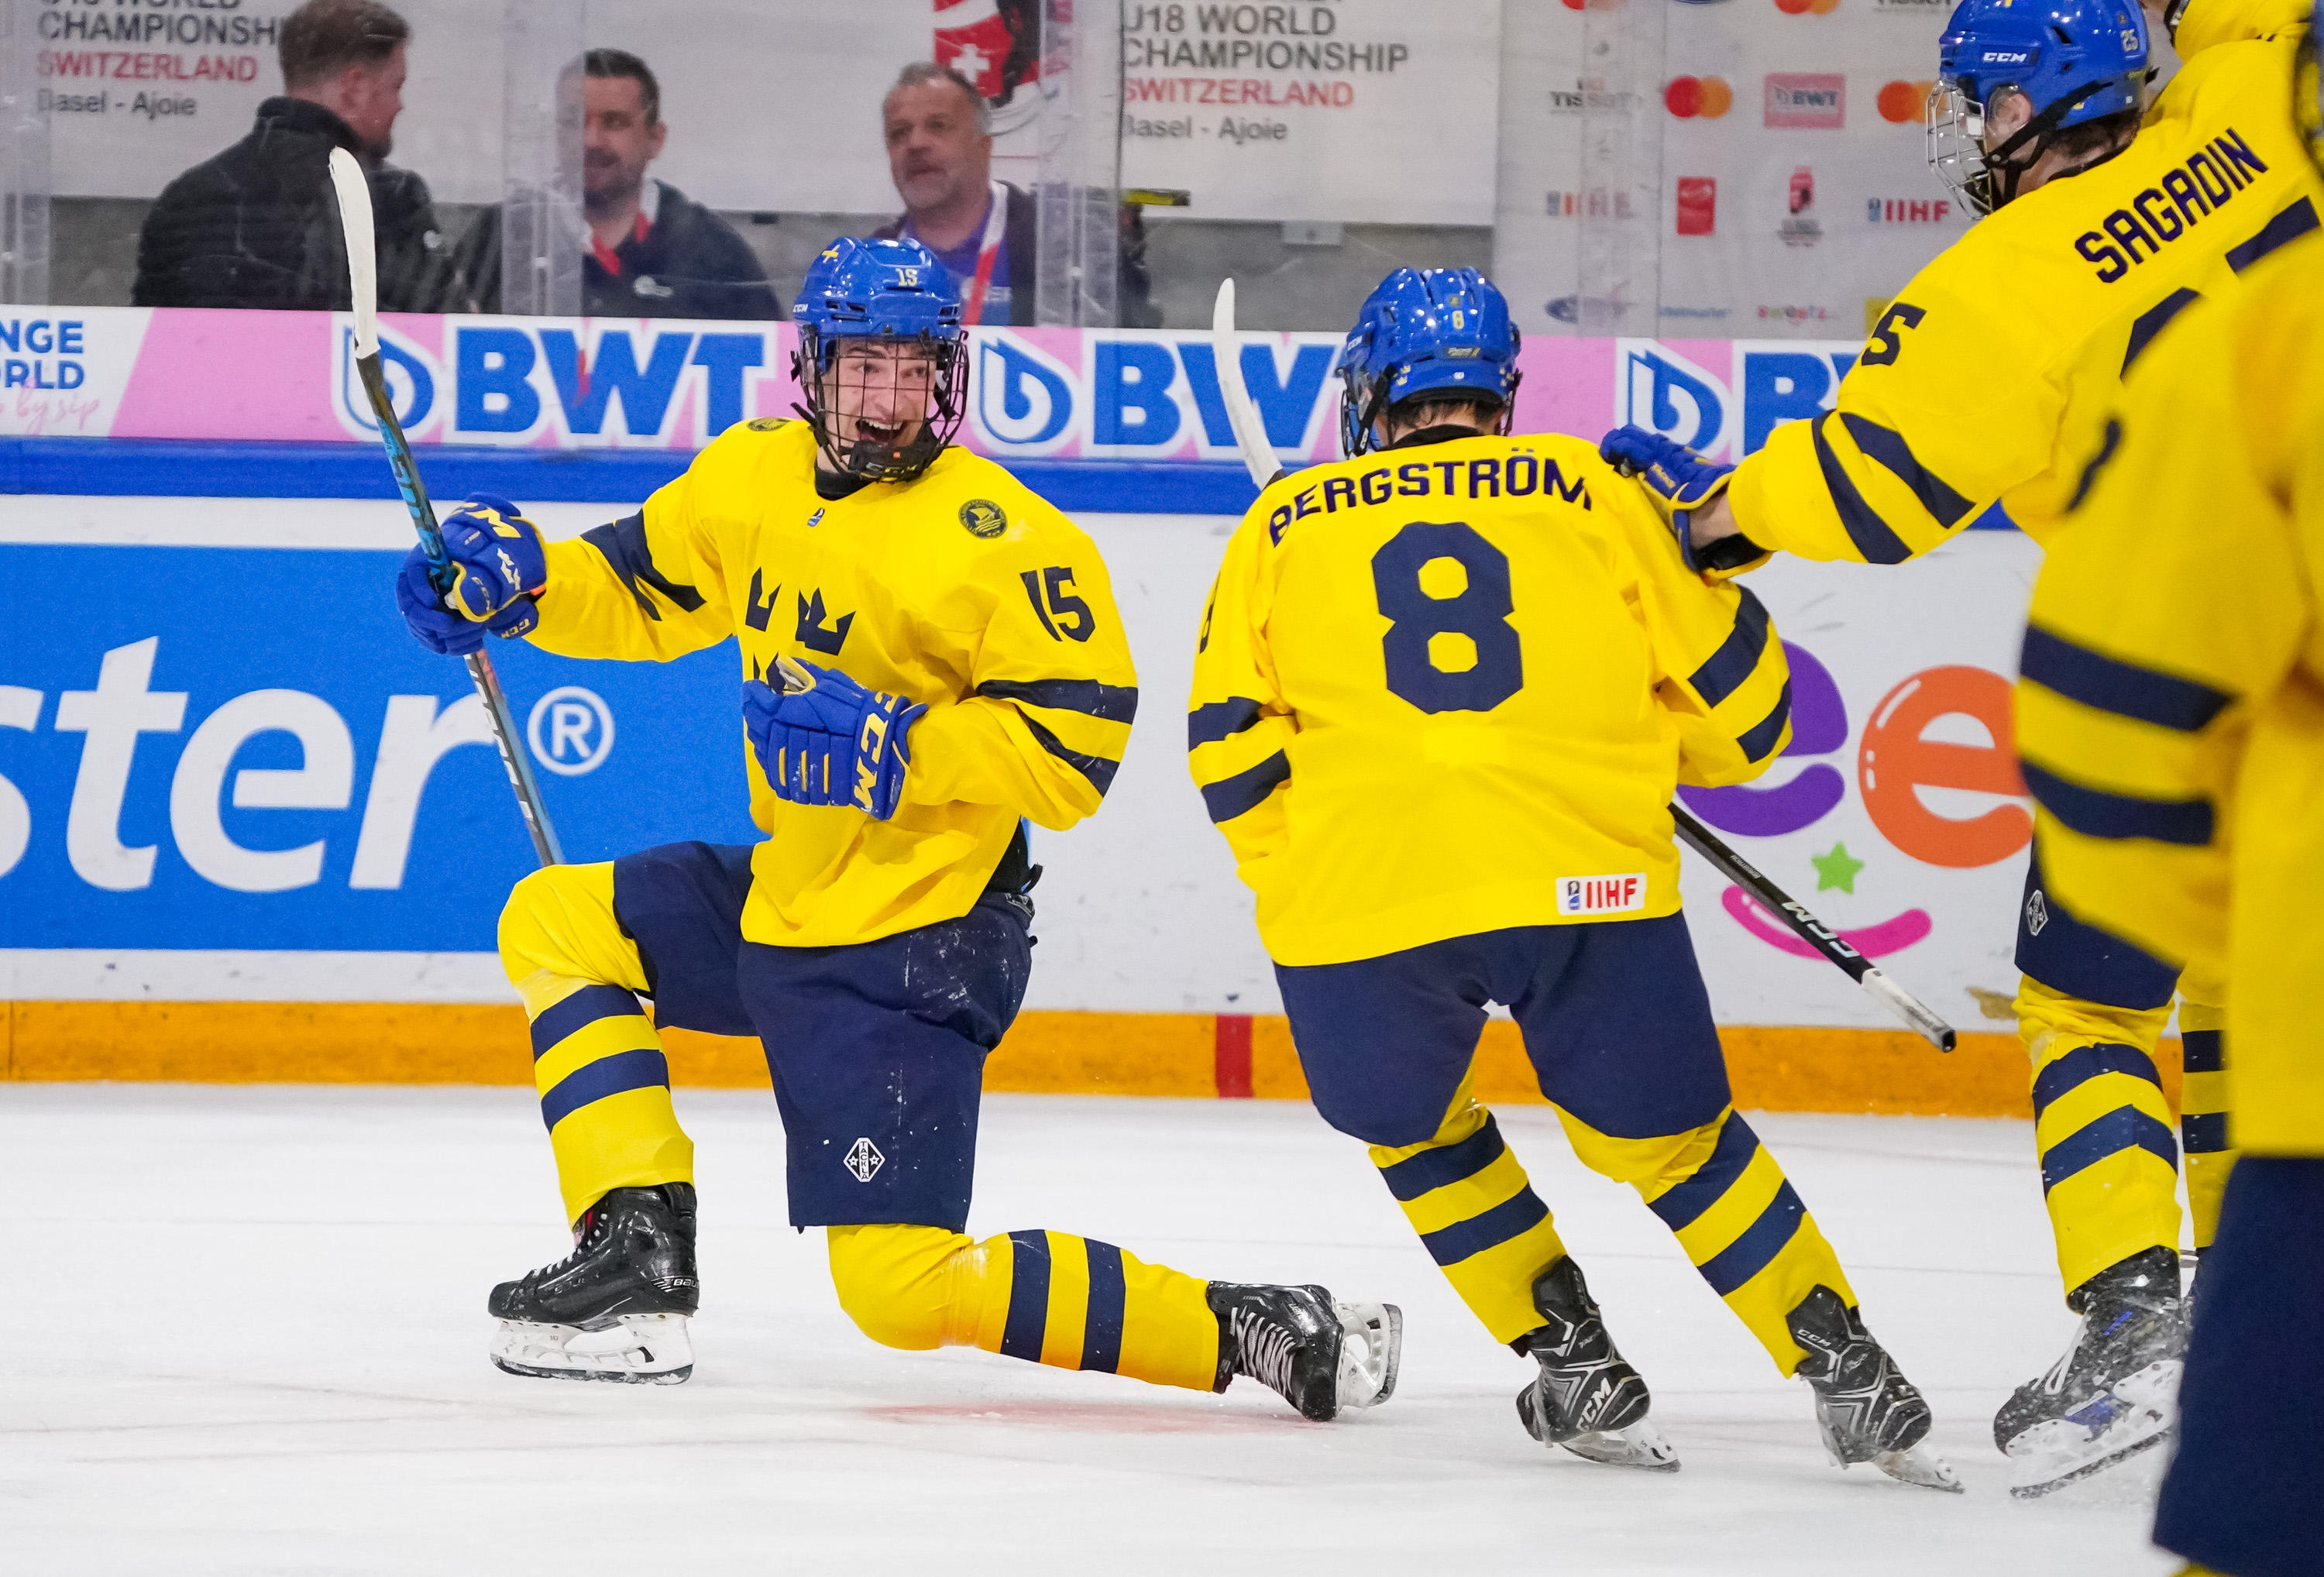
(257, 227)
(653, 252)
(939, 133)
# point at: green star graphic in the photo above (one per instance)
(1837, 869)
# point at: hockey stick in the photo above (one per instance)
(363, 270)
(1260, 459)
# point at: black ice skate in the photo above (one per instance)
(1322, 1357)
(1867, 1410)
(1586, 1398)
(617, 1307)
(2115, 1393)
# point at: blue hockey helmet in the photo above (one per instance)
(896, 294)
(1436, 331)
(2071, 61)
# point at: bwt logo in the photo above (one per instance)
(1726, 417)
(1144, 395)
(570, 731)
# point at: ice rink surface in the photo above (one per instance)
(245, 1333)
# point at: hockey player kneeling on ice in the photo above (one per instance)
(964, 671)
(1442, 734)
(2105, 218)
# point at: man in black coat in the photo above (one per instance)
(653, 252)
(939, 135)
(257, 227)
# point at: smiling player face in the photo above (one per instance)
(880, 393)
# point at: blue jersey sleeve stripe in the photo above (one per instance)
(2096, 813)
(1431, 1169)
(1109, 1296)
(1681, 1205)
(2127, 689)
(1888, 446)
(1112, 703)
(1760, 1242)
(1216, 720)
(1764, 733)
(1099, 770)
(1875, 542)
(1738, 657)
(608, 1076)
(2125, 1128)
(1232, 797)
(623, 545)
(2084, 1063)
(1512, 1218)
(584, 1006)
(2287, 227)
(1028, 1296)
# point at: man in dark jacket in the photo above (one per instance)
(257, 227)
(939, 136)
(653, 251)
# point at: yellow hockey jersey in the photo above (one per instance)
(1449, 689)
(962, 588)
(1986, 377)
(2171, 716)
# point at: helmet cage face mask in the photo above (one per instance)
(1989, 178)
(826, 380)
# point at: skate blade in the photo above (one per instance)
(646, 1350)
(1641, 1445)
(2050, 1456)
(1921, 1467)
(1371, 1347)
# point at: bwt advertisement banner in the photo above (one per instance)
(188, 783)
(1045, 394)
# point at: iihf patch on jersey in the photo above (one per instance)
(1601, 895)
(863, 1160)
(982, 517)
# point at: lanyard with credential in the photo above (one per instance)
(988, 252)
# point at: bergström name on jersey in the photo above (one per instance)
(1602, 895)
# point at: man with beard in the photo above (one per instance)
(255, 226)
(653, 252)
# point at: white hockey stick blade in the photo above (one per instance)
(1909, 1007)
(1371, 1346)
(639, 1350)
(1226, 349)
(362, 250)
(1641, 1445)
(2144, 1410)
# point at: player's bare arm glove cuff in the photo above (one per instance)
(1680, 481)
(833, 743)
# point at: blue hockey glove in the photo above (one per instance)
(1679, 481)
(500, 564)
(832, 743)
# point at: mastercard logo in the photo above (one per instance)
(1807, 8)
(1688, 98)
(1901, 103)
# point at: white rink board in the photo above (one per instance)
(1139, 908)
(194, 1410)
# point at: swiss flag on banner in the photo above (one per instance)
(994, 43)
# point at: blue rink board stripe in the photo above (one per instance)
(175, 469)
(190, 468)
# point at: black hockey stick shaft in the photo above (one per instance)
(356, 220)
(1827, 943)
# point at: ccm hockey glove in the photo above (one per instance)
(1679, 482)
(498, 554)
(833, 743)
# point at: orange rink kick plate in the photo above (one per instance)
(1188, 1055)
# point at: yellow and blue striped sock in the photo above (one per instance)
(1477, 1215)
(605, 1091)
